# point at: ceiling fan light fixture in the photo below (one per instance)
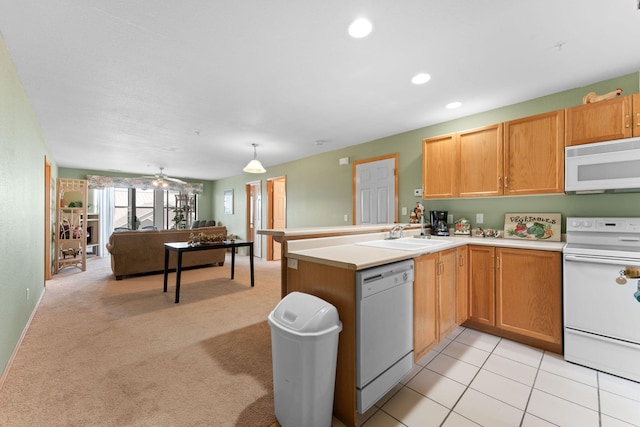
(254, 166)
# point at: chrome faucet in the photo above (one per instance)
(396, 231)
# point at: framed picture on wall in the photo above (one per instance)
(228, 202)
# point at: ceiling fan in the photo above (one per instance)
(160, 179)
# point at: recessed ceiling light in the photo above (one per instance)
(453, 105)
(420, 78)
(360, 28)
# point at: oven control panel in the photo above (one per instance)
(617, 225)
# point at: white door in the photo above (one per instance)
(375, 192)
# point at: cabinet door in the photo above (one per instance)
(463, 283)
(481, 284)
(636, 114)
(534, 154)
(447, 293)
(480, 172)
(600, 121)
(529, 293)
(440, 167)
(425, 305)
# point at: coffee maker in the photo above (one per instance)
(439, 223)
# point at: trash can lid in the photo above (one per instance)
(305, 314)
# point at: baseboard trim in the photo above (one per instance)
(7, 368)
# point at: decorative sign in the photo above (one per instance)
(532, 226)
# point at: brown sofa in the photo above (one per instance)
(142, 251)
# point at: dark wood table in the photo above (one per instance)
(182, 247)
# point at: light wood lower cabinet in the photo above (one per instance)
(517, 294)
(463, 284)
(435, 293)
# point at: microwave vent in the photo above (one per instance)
(604, 147)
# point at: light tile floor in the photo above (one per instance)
(476, 379)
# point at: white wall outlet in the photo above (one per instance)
(343, 161)
(479, 218)
(404, 210)
(292, 263)
(417, 192)
(450, 219)
(346, 217)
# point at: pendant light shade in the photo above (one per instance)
(254, 166)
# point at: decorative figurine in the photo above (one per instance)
(463, 227)
(591, 97)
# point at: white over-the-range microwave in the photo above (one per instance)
(603, 167)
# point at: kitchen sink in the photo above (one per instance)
(404, 244)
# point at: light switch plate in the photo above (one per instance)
(479, 218)
(292, 263)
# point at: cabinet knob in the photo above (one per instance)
(506, 182)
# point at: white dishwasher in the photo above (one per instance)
(384, 329)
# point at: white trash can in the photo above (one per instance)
(304, 342)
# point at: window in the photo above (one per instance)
(135, 208)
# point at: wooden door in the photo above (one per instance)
(447, 293)
(600, 121)
(279, 212)
(440, 167)
(480, 172)
(253, 190)
(529, 293)
(425, 305)
(482, 284)
(463, 284)
(534, 154)
(636, 114)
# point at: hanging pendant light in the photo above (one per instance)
(254, 166)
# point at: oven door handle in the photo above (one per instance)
(621, 261)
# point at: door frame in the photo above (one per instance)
(47, 220)
(257, 242)
(270, 207)
(395, 157)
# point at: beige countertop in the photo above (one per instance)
(344, 252)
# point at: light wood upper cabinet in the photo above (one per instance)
(529, 293)
(534, 154)
(636, 114)
(425, 305)
(480, 171)
(601, 121)
(440, 166)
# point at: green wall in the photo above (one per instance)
(319, 189)
(22, 157)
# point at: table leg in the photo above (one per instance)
(166, 267)
(178, 273)
(251, 262)
(233, 261)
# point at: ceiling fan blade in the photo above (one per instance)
(175, 180)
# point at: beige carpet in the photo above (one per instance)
(102, 352)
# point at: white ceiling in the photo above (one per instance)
(190, 85)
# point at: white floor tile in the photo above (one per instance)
(501, 388)
(533, 421)
(441, 345)
(608, 421)
(559, 411)
(556, 364)
(466, 353)
(478, 339)
(519, 352)
(487, 411)
(453, 368)
(415, 410)
(384, 399)
(457, 331)
(437, 387)
(567, 389)
(457, 420)
(412, 373)
(617, 385)
(382, 419)
(620, 407)
(424, 360)
(511, 369)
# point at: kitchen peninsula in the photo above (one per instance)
(510, 288)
